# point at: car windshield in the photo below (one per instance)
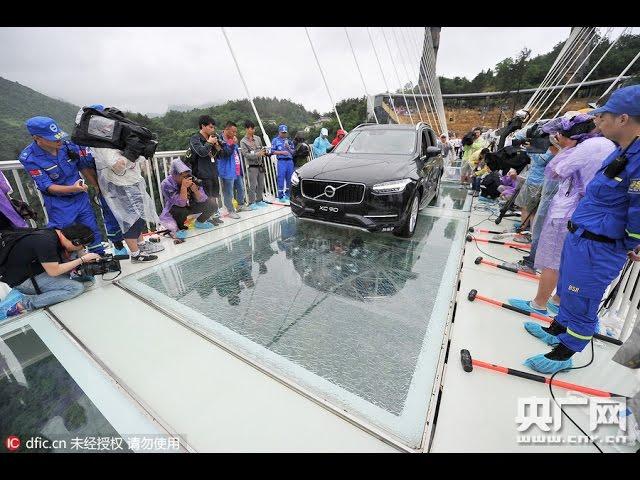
(390, 142)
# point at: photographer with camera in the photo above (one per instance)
(254, 154)
(36, 263)
(204, 150)
(124, 189)
(54, 166)
(184, 195)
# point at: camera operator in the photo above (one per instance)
(205, 148)
(36, 264)
(124, 189)
(529, 196)
(183, 197)
(254, 154)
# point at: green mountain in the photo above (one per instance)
(17, 104)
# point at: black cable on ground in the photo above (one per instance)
(560, 407)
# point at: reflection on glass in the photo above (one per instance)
(38, 398)
(453, 197)
(349, 306)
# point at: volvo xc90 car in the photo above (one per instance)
(376, 179)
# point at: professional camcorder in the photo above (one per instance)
(105, 264)
(536, 141)
(109, 128)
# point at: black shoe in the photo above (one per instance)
(555, 329)
(143, 257)
(560, 352)
(216, 221)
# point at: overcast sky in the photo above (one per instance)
(149, 69)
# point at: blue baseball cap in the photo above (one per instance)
(282, 128)
(44, 127)
(625, 100)
(97, 106)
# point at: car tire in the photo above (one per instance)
(408, 228)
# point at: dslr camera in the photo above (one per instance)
(105, 264)
(195, 180)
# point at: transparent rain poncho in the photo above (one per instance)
(123, 187)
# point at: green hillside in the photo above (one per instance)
(17, 104)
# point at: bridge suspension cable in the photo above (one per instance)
(384, 35)
(562, 72)
(620, 76)
(590, 72)
(375, 51)
(436, 83)
(553, 67)
(323, 78)
(423, 71)
(407, 45)
(568, 81)
(355, 59)
(271, 185)
(406, 72)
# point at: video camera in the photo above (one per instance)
(109, 128)
(105, 264)
(506, 158)
(536, 141)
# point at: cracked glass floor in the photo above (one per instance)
(355, 318)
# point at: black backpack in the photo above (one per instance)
(9, 239)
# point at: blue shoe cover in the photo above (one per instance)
(542, 364)
(181, 234)
(14, 296)
(120, 252)
(203, 225)
(525, 305)
(536, 330)
(553, 308)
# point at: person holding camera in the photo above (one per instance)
(54, 166)
(254, 154)
(36, 264)
(124, 189)
(604, 231)
(204, 149)
(302, 150)
(184, 196)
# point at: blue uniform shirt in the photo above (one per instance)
(47, 170)
(283, 144)
(611, 206)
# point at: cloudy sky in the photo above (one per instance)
(149, 69)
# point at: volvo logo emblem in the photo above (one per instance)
(329, 191)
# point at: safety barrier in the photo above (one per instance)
(622, 314)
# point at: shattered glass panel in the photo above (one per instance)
(38, 398)
(357, 318)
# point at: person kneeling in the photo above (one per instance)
(183, 197)
(37, 265)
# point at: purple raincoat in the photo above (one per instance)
(574, 171)
(6, 207)
(171, 194)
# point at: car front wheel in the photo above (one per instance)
(409, 226)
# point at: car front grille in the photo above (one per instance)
(344, 192)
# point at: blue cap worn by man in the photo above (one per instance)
(604, 231)
(283, 149)
(54, 167)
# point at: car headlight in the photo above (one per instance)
(394, 186)
(295, 180)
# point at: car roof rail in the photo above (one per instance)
(363, 124)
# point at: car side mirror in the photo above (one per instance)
(432, 152)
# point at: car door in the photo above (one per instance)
(429, 169)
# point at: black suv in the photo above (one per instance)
(376, 179)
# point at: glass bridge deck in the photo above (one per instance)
(356, 319)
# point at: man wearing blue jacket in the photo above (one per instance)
(283, 149)
(604, 231)
(230, 169)
(55, 167)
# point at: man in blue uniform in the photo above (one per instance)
(283, 149)
(604, 230)
(54, 166)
